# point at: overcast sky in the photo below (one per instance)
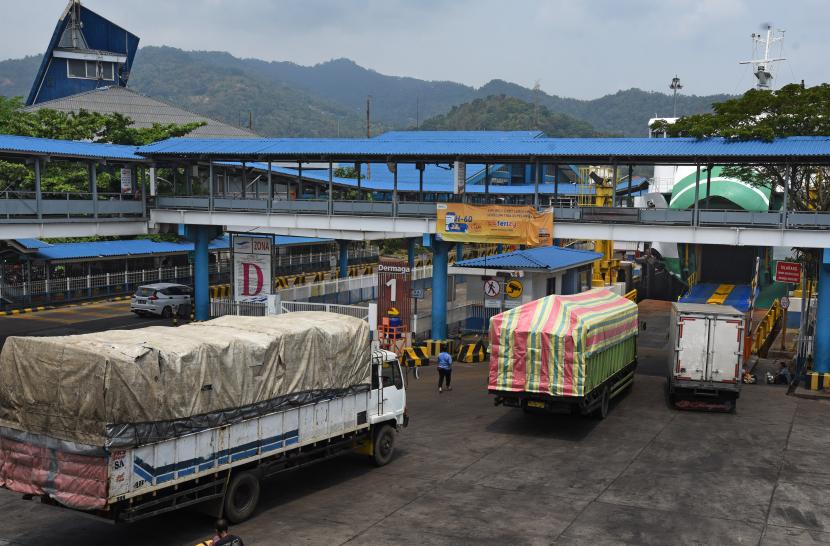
(579, 48)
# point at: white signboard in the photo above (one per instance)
(251, 268)
(492, 288)
(126, 181)
(492, 304)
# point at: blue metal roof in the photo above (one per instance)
(290, 240)
(478, 136)
(110, 249)
(67, 148)
(450, 149)
(137, 247)
(101, 36)
(550, 258)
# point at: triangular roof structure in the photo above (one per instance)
(86, 51)
(143, 110)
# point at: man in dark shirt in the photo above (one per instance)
(223, 537)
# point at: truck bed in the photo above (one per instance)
(87, 478)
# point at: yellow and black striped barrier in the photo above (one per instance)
(472, 352)
(415, 356)
(435, 346)
(222, 291)
(818, 381)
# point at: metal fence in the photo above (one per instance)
(74, 288)
(223, 307)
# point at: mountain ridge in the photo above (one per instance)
(329, 98)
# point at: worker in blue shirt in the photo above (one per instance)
(444, 370)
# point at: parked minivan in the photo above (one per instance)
(160, 299)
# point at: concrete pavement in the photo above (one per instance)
(468, 472)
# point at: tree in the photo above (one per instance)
(83, 125)
(766, 115)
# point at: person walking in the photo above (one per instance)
(444, 371)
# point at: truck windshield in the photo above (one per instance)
(391, 375)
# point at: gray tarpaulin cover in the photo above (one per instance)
(72, 387)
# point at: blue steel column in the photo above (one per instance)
(459, 252)
(410, 253)
(440, 259)
(344, 258)
(821, 363)
(201, 283)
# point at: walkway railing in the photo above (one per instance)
(22, 205)
(767, 328)
(86, 286)
(604, 215)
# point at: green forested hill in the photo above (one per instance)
(287, 99)
(503, 113)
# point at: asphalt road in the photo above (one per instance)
(468, 472)
(79, 319)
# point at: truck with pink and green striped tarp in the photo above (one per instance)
(576, 351)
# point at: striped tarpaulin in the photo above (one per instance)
(545, 346)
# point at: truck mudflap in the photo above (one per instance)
(74, 480)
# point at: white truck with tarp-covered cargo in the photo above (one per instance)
(129, 424)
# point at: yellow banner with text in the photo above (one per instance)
(519, 225)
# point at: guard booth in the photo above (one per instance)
(500, 282)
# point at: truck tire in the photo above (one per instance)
(670, 398)
(602, 410)
(384, 445)
(241, 496)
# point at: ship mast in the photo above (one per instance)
(763, 44)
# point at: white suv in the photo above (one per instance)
(162, 299)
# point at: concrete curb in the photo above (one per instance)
(26, 310)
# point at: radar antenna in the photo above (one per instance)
(762, 44)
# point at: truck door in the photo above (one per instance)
(388, 393)
(394, 395)
(692, 348)
(725, 336)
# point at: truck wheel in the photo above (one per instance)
(602, 411)
(384, 445)
(670, 398)
(241, 496)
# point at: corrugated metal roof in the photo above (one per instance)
(143, 110)
(109, 249)
(551, 258)
(66, 148)
(479, 136)
(137, 247)
(460, 148)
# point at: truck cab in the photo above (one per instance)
(388, 395)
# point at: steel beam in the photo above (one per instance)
(354, 228)
(41, 230)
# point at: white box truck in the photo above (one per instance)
(707, 354)
(126, 425)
